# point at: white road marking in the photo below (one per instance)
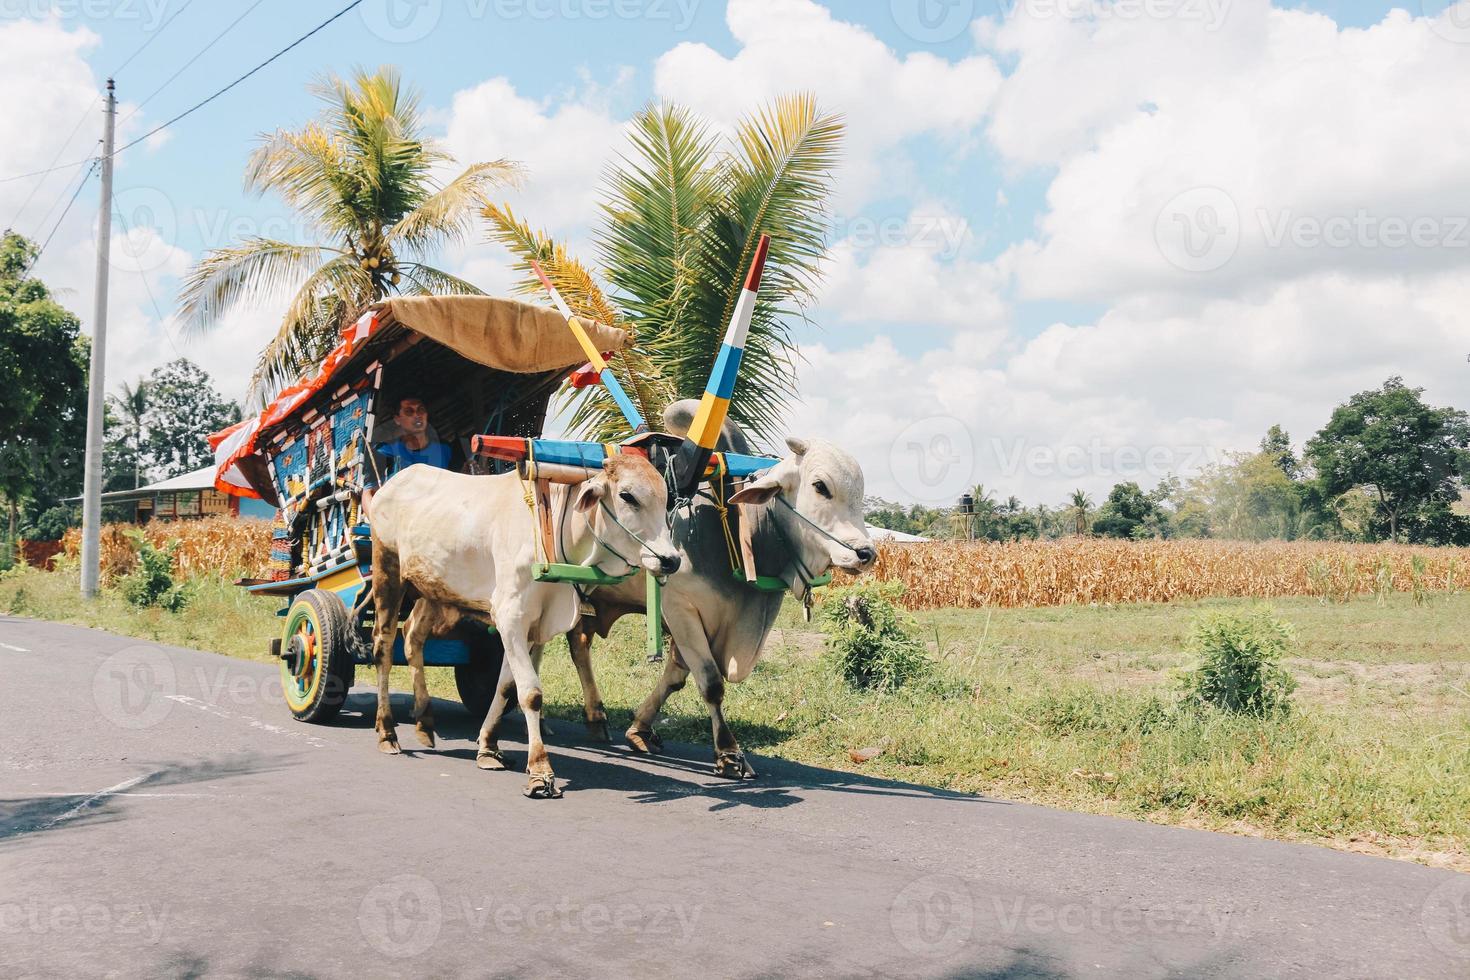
(16, 649)
(163, 796)
(126, 784)
(217, 711)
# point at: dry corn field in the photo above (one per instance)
(224, 545)
(1082, 571)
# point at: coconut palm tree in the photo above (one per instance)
(362, 175)
(1081, 505)
(682, 212)
(131, 404)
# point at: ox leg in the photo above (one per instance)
(579, 642)
(729, 759)
(540, 781)
(640, 735)
(489, 755)
(420, 624)
(387, 600)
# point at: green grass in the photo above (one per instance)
(1068, 706)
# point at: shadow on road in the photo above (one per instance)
(29, 816)
(681, 770)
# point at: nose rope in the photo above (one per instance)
(781, 499)
(625, 529)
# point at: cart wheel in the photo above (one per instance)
(317, 667)
(476, 680)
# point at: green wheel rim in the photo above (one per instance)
(301, 688)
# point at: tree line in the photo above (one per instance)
(1387, 466)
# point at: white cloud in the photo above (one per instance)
(1308, 148)
(797, 45)
(1151, 387)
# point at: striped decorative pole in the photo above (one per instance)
(594, 356)
(704, 432)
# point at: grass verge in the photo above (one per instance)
(1073, 707)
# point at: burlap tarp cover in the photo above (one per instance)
(500, 333)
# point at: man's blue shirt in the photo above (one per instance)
(434, 454)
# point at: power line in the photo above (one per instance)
(59, 198)
(42, 250)
(152, 37)
(138, 262)
(59, 151)
(204, 102)
(191, 61)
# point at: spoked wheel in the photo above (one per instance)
(317, 668)
(476, 680)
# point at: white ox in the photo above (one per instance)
(465, 545)
(808, 517)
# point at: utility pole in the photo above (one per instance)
(96, 380)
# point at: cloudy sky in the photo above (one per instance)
(1075, 241)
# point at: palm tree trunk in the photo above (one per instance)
(14, 528)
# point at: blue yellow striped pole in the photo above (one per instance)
(704, 432)
(594, 356)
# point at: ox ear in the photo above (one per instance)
(760, 491)
(797, 445)
(590, 492)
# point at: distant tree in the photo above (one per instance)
(1080, 506)
(1411, 455)
(43, 377)
(129, 406)
(183, 409)
(1276, 445)
(1127, 513)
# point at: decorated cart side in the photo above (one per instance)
(481, 365)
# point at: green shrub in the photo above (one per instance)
(151, 583)
(872, 644)
(1240, 663)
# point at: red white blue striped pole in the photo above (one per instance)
(704, 432)
(594, 356)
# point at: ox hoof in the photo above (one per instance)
(732, 765)
(388, 745)
(492, 760)
(647, 742)
(597, 731)
(425, 734)
(542, 787)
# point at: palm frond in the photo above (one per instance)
(425, 280)
(446, 215)
(255, 269)
(334, 292)
(594, 414)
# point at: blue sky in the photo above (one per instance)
(995, 253)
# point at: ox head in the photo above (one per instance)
(626, 506)
(824, 485)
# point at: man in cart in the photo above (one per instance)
(416, 443)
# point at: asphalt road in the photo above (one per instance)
(162, 815)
